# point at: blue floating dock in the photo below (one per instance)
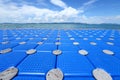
(73, 65)
(29, 78)
(37, 64)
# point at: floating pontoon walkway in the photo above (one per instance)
(53, 54)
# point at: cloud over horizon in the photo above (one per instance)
(25, 13)
(59, 3)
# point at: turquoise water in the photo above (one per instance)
(58, 25)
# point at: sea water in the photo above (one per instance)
(58, 25)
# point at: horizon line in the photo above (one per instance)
(59, 23)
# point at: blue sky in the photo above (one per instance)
(41, 11)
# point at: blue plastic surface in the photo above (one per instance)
(37, 64)
(73, 65)
(10, 59)
(29, 78)
(108, 62)
(68, 47)
(24, 47)
(4, 46)
(46, 47)
(79, 78)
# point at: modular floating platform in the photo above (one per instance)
(59, 54)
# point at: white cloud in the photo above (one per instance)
(29, 14)
(33, 14)
(99, 19)
(59, 3)
(87, 4)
